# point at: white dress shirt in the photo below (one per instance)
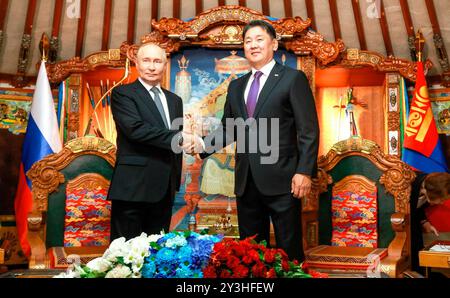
(162, 96)
(266, 69)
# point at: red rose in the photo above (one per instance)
(232, 262)
(254, 255)
(269, 256)
(209, 272)
(225, 274)
(271, 273)
(240, 272)
(285, 265)
(259, 270)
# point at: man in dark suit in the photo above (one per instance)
(147, 171)
(280, 97)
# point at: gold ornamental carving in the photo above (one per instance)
(46, 176)
(229, 34)
(89, 181)
(319, 185)
(393, 121)
(408, 69)
(61, 70)
(397, 182)
(325, 52)
(397, 176)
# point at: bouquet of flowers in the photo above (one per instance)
(176, 254)
(246, 258)
(179, 254)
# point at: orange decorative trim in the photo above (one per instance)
(60, 71)
(408, 69)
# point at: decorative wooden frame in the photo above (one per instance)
(221, 28)
(46, 177)
(397, 178)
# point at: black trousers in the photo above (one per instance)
(255, 211)
(130, 219)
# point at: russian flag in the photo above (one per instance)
(41, 139)
(422, 148)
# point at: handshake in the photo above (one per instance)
(192, 144)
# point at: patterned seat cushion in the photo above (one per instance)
(354, 217)
(87, 219)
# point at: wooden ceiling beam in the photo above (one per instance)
(155, 10)
(56, 27)
(359, 25)
(439, 43)
(288, 8)
(25, 47)
(57, 14)
(335, 19)
(198, 6)
(310, 13)
(265, 7)
(31, 11)
(106, 24)
(433, 18)
(3, 11)
(243, 3)
(131, 21)
(407, 17)
(176, 9)
(81, 28)
(409, 28)
(385, 31)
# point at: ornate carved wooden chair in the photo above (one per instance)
(71, 215)
(357, 216)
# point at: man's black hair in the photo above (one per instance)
(260, 23)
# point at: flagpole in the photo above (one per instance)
(419, 43)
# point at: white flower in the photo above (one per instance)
(139, 246)
(119, 271)
(117, 248)
(99, 265)
(68, 274)
(154, 237)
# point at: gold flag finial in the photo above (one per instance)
(419, 43)
(44, 47)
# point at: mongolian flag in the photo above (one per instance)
(41, 139)
(422, 148)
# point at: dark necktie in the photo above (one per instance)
(159, 105)
(253, 94)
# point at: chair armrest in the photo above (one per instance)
(35, 236)
(398, 223)
(396, 262)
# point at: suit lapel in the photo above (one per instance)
(273, 79)
(145, 97)
(171, 104)
(240, 92)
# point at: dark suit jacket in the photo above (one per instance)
(145, 164)
(286, 96)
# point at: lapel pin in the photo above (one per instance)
(276, 75)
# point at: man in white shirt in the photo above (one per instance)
(274, 94)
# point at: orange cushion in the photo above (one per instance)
(342, 257)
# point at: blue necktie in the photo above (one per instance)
(159, 105)
(253, 94)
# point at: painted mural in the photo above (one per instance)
(201, 78)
